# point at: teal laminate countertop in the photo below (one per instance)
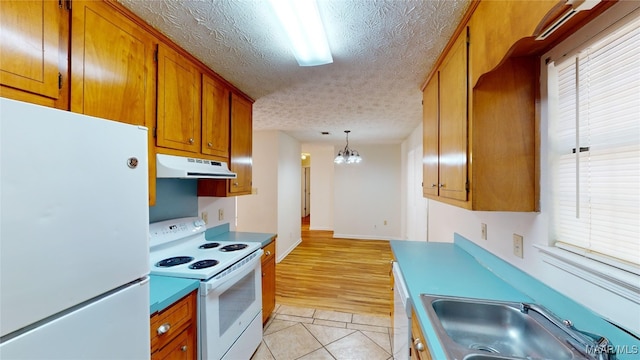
(222, 233)
(166, 290)
(464, 269)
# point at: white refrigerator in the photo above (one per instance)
(73, 236)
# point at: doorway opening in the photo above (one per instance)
(306, 189)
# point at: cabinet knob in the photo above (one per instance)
(163, 329)
(184, 348)
(268, 253)
(441, 185)
(191, 141)
(209, 144)
(433, 185)
(418, 344)
(235, 184)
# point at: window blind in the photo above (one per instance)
(595, 147)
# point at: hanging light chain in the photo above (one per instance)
(350, 156)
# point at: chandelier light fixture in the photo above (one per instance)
(346, 155)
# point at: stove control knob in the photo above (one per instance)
(198, 223)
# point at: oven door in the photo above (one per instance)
(228, 305)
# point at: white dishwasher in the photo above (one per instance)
(401, 316)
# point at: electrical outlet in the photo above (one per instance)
(205, 217)
(220, 214)
(484, 231)
(517, 246)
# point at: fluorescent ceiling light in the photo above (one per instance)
(301, 21)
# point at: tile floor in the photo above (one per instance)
(309, 334)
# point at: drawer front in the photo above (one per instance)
(182, 347)
(169, 323)
(269, 252)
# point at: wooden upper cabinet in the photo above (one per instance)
(445, 126)
(178, 115)
(241, 145)
(496, 26)
(453, 122)
(113, 72)
(29, 47)
(112, 65)
(430, 137)
(504, 174)
(486, 133)
(240, 153)
(215, 118)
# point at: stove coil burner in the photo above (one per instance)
(210, 245)
(202, 264)
(233, 247)
(174, 261)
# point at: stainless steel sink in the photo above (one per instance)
(476, 329)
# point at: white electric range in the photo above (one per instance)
(230, 294)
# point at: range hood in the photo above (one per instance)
(182, 167)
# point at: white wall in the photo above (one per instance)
(275, 207)
(211, 205)
(289, 198)
(368, 194)
(413, 205)
(259, 212)
(322, 168)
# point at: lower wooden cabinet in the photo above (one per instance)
(174, 330)
(182, 347)
(418, 346)
(268, 280)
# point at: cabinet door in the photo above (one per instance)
(430, 138)
(419, 349)
(112, 66)
(268, 261)
(241, 146)
(215, 118)
(268, 288)
(113, 72)
(182, 347)
(178, 102)
(29, 45)
(453, 122)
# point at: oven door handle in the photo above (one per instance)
(250, 265)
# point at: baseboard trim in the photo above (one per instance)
(289, 250)
(362, 237)
(320, 228)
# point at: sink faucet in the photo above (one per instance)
(597, 346)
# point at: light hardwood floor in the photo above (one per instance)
(336, 274)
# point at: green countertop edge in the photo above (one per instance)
(467, 270)
(166, 290)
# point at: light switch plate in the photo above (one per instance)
(484, 231)
(517, 246)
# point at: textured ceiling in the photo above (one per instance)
(382, 52)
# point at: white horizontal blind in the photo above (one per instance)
(595, 147)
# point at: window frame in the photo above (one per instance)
(616, 276)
